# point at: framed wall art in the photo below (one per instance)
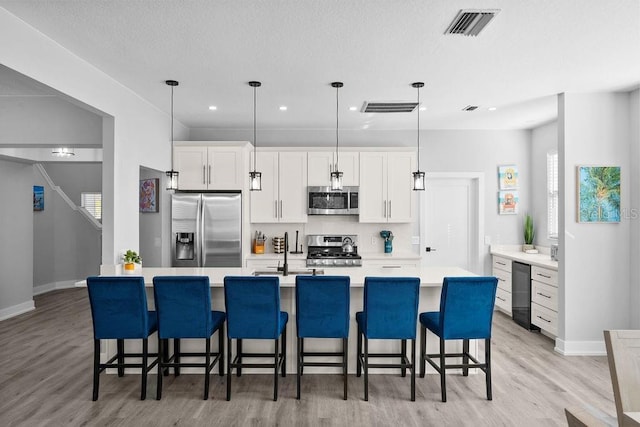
(508, 202)
(38, 198)
(508, 177)
(598, 194)
(149, 195)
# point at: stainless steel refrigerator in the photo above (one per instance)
(206, 229)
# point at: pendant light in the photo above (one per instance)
(418, 176)
(255, 178)
(336, 175)
(172, 175)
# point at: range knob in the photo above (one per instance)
(347, 262)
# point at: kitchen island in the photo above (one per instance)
(431, 283)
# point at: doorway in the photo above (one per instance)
(452, 220)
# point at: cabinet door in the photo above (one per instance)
(400, 194)
(224, 170)
(191, 164)
(372, 197)
(320, 165)
(264, 204)
(292, 206)
(349, 164)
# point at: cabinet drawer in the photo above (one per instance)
(544, 318)
(545, 295)
(544, 275)
(504, 279)
(503, 300)
(502, 263)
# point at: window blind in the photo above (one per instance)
(92, 202)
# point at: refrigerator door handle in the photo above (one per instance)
(199, 223)
(202, 210)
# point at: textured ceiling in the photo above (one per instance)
(531, 51)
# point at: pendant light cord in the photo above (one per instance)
(337, 123)
(255, 142)
(418, 128)
(172, 128)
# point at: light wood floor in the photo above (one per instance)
(46, 374)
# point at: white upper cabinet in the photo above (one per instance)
(386, 193)
(284, 187)
(209, 168)
(322, 163)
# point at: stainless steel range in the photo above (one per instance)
(332, 251)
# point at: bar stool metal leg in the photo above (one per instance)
(120, 349)
(239, 356)
(465, 357)
(345, 358)
(229, 358)
(443, 371)
(96, 368)
(299, 362)
(283, 351)
(145, 350)
(359, 351)
(176, 356)
(403, 350)
(487, 361)
(413, 370)
(162, 344)
(275, 372)
(366, 369)
(221, 350)
(423, 349)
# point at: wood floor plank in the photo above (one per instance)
(45, 379)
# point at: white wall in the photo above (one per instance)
(543, 140)
(16, 244)
(594, 278)
(634, 211)
(134, 132)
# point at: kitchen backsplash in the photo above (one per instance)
(369, 240)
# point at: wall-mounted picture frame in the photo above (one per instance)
(38, 198)
(508, 177)
(598, 194)
(149, 195)
(508, 202)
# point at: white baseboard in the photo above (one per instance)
(580, 348)
(48, 287)
(16, 310)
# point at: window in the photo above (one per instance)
(92, 202)
(552, 194)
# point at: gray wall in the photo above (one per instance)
(634, 208)
(155, 226)
(66, 246)
(16, 229)
(76, 178)
(543, 140)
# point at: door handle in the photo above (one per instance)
(276, 206)
(204, 171)
(280, 208)
(430, 249)
(209, 174)
(384, 211)
(389, 208)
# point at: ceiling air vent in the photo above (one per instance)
(388, 107)
(470, 108)
(470, 22)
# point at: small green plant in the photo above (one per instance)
(529, 232)
(131, 257)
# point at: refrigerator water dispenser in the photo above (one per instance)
(184, 246)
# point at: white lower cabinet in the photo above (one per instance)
(502, 271)
(544, 299)
(394, 264)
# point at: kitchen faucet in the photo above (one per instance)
(285, 266)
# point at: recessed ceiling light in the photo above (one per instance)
(353, 108)
(492, 108)
(283, 108)
(212, 107)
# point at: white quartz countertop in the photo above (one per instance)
(541, 259)
(365, 256)
(429, 276)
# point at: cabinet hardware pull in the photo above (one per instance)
(502, 299)
(385, 209)
(502, 280)
(542, 275)
(204, 171)
(209, 174)
(542, 318)
(500, 263)
(389, 208)
(543, 295)
(391, 266)
(276, 206)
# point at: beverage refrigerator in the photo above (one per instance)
(206, 229)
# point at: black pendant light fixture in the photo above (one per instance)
(255, 178)
(418, 176)
(336, 175)
(172, 175)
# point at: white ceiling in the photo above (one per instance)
(531, 51)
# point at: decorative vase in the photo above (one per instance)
(129, 267)
(526, 247)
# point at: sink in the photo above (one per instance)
(313, 272)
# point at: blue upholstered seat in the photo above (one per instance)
(253, 311)
(184, 310)
(322, 311)
(119, 311)
(390, 312)
(466, 312)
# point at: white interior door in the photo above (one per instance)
(452, 221)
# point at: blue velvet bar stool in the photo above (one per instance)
(322, 311)
(466, 313)
(184, 311)
(119, 311)
(390, 312)
(253, 312)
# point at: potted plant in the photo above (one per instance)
(131, 258)
(529, 233)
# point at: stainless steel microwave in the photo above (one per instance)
(324, 201)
